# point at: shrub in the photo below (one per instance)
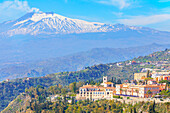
(161, 99)
(116, 96)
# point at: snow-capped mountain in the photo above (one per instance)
(51, 23)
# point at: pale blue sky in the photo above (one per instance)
(149, 13)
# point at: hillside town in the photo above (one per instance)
(144, 85)
(141, 84)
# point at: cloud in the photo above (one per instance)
(34, 10)
(164, 0)
(166, 10)
(118, 14)
(145, 20)
(14, 9)
(118, 3)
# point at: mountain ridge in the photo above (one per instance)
(76, 61)
(53, 24)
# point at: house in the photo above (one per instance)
(69, 101)
(151, 82)
(146, 91)
(162, 86)
(119, 64)
(140, 76)
(127, 89)
(28, 78)
(158, 76)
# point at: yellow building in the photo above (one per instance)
(140, 76)
(143, 91)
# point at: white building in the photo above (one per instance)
(93, 92)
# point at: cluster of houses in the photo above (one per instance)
(106, 90)
(156, 76)
(161, 64)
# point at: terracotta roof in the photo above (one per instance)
(149, 86)
(90, 86)
(110, 88)
(108, 83)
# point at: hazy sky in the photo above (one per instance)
(150, 13)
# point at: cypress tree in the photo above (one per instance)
(130, 110)
(148, 73)
(134, 110)
(154, 106)
(72, 100)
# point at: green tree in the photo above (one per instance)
(63, 91)
(151, 109)
(167, 106)
(72, 87)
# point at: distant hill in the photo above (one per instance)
(75, 62)
(10, 90)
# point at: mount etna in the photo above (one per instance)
(43, 43)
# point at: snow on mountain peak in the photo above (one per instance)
(50, 23)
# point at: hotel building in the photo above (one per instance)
(93, 92)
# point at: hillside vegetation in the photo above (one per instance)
(37, 100)
(21, 101)
(10, 90)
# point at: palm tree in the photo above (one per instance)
(121, 90)
(137, 91)
(125, 91)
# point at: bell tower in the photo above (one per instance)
(104, 79)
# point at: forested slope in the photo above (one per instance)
(10, 90)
